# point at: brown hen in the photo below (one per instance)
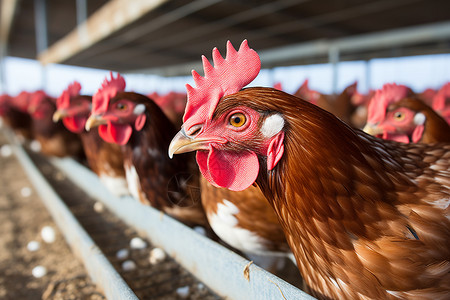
(139, 125)
(410, 120)
(54, 139)
(14, 111)
(340, 105)
(105, 159)
(365, 218)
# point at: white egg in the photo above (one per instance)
(157, 255)
(25, 192)
(35, 146)
(33, 246)
(138, 243)
(128, 265)
(183, 292)
(48, 234)
(99, 207)
(39, 271)
(6, 151)
(122, 254)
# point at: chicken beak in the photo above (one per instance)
(58, 115)
(32, 109)
(182, 143)
(373, 129)
(94, 121)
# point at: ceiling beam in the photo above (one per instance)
(110, 18)
(410, 36)
(354, 44)
(150, 26)
(178, 38)
(322, 21)
(8, 11)
(325, 21)
(230, 21)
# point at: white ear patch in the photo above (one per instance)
(272, 125)
(139, 109)
(419, 119)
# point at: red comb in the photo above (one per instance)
(22, 101)
(278, 86)
(37, 97)
(306, 93)
(72, 90)
(439, 100)
(5, 99)
(388, 94)
(107, 91)
(228, 76)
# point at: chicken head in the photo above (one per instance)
(220, 133)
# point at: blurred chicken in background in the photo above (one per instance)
(105, 159)
(395, 113)
(54, 139)
(14, 111)
(142, 129)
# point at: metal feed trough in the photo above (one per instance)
(220, 269)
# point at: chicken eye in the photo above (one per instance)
(399, 116)
(121, 106)
(237, 120)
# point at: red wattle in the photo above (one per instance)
(104, 133)
(115, 133)
(228, 169)
(418, 133)
(120, 133)
(74, 124)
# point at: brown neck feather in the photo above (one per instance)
(327, 166)
(336, 189)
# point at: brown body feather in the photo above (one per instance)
(170, 185)
(365, 218)
(103, 158)
(15, 114)
(54, 138)
(19, 121)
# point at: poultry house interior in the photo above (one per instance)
(310, 138)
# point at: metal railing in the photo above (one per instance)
(217, 267)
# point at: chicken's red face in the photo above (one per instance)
(230, 144)
(115, 112)
(73, 108)
(228, 128)
(40, 106)
(76, 115)
(402, 125)
(219, 158)
(117, 122)
(123, 111)
(403, 121)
